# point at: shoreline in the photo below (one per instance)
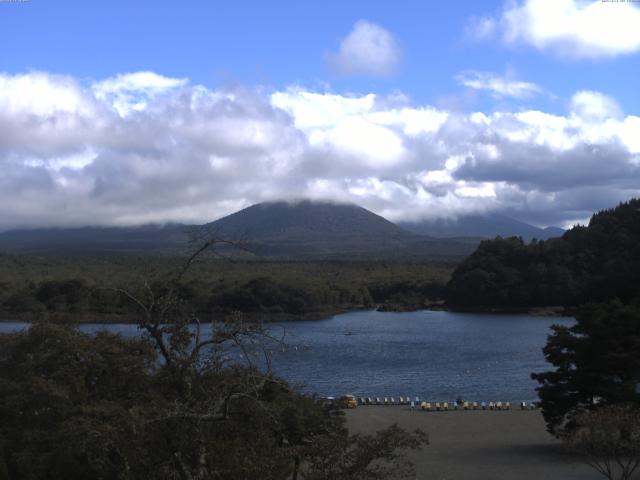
(253, 317)
(547, 311)
(258, 317)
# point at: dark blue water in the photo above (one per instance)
(435, 355)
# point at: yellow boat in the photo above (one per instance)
(348, 401)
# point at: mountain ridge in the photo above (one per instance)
(487, 225)
(292, 230)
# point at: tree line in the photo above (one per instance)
(57, 288)
(588, 263)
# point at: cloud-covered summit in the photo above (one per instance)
(141, 147)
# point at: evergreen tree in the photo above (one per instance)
(597, 362)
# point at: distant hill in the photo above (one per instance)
(317, 230)
(592, 263)
(300, 230)
(481, 225)
(98, 240)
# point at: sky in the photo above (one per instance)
(123, 113)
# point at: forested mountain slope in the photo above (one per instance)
(592, 263)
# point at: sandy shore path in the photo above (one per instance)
(478, 445)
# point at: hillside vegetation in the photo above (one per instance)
(83, 288)
(592, 263)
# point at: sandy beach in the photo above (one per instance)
(478, 445)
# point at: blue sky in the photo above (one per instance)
(277, 44)
(554, 80)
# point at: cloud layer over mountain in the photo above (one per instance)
(141, 147)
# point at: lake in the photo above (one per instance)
(431, 354)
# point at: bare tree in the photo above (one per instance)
(173, 325)
(609, 439)
(195, 357)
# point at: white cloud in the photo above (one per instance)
(571, 28)
(595, 106)
(368, 49)
(130, 92)
(192, 154)
(485, 190)
(74, 161)
(629, 133)
(498, 86)
(413, 121)
(43, 95)
(312, 110)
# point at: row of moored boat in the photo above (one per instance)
(443, 406)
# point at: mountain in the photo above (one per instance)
(481, 225)
(323, 230)
(299, 230)
(306, 220)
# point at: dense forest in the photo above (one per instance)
(167, 406)
(592, 263)
(87, 288)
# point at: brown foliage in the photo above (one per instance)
(609, 438)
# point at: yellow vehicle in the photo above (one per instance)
(348, 401)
